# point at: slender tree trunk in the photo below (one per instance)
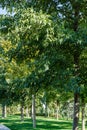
(53, 112)
(22, 112)
(57, 113)
(76, 93)
(45, 94)
(76, 111)
(57, 109)
(45, 109)
(4, 111)
(33, 111)
(27, 112)
(83, 115)
(48, 112)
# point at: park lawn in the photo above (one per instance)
(14, 123)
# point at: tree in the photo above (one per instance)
(75, 43)
(83, 94)
(28, 36)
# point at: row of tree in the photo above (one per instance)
(43, 45)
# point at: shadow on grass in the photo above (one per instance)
(14, 123)
(54, 125)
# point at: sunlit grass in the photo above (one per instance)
(14, 123)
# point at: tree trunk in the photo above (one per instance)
(57, 114)
(53, 112)
(27, 112)
(76, 111)
(4, 112)
(83, 115)
(45, 109)
(33, 111)
(22, 112)
(76, 93)
(57, 109)
(48, 111)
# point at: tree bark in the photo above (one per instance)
(83, 115)
(48, 111)
(4, 111)
(76, 111)
(57, 114)
(27, 112)
(53, 112)
(22, 112)
(33, 111)
(57, 109)
(76, 93)
(45, 109)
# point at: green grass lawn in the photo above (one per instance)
(14, 123)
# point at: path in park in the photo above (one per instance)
(3, 127)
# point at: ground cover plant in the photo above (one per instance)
(14, 123)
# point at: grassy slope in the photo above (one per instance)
(42, 124)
